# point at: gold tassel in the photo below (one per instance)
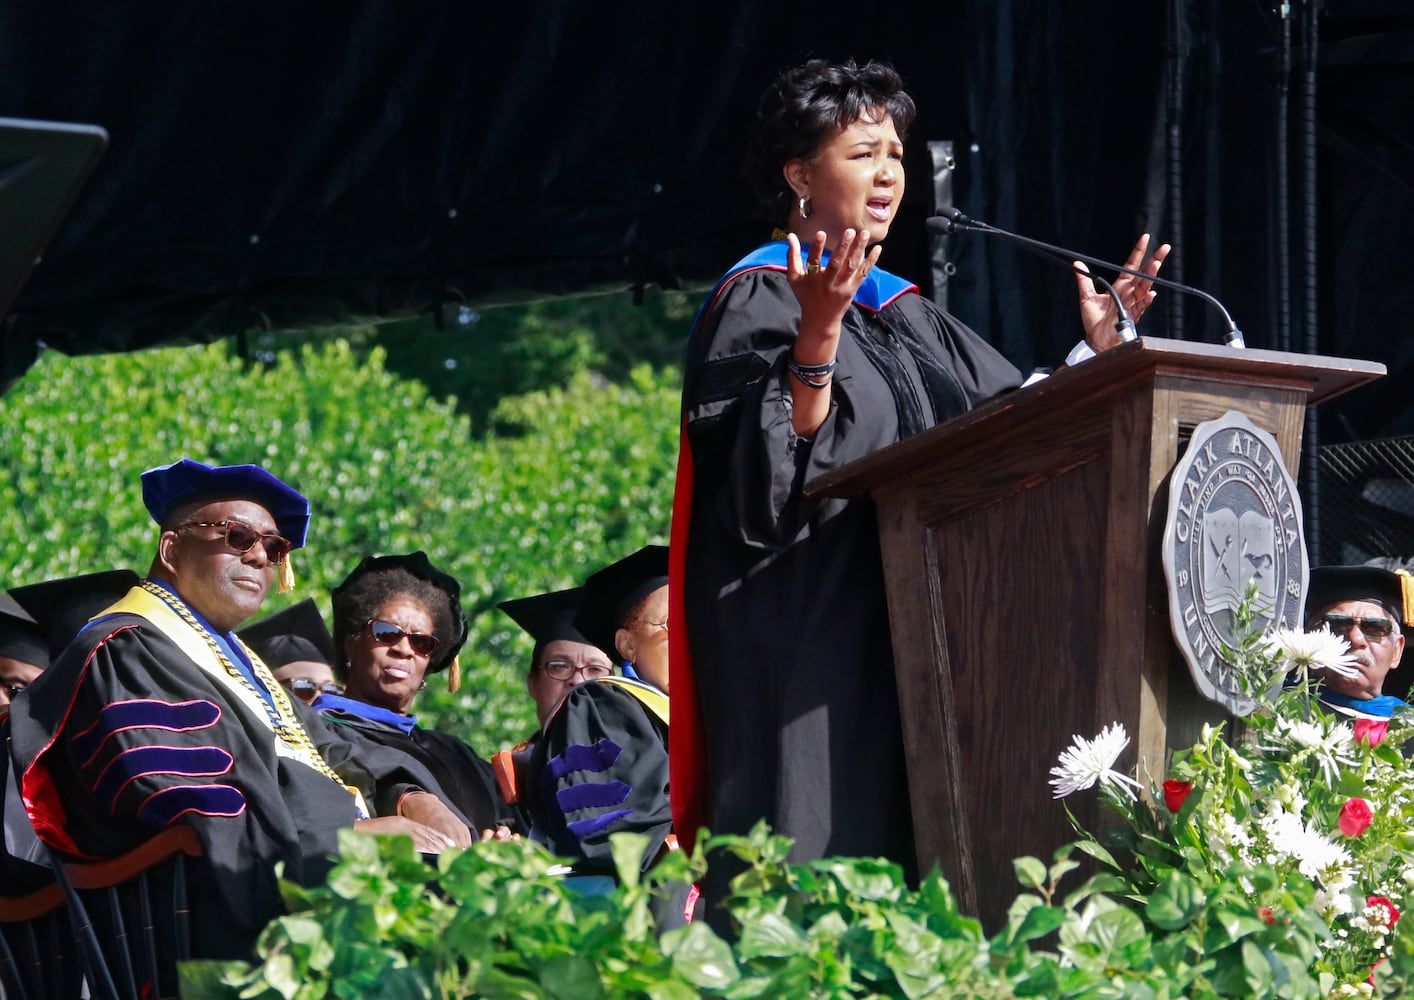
(454, 675)
(286, 575)
(1406, 585)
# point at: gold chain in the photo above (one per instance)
(281, 715)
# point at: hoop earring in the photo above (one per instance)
(804, 210)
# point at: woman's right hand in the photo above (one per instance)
(426, 839)
(824, 294)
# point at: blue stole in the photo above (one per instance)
(1384, 705)
(877, 290)
(362, 709)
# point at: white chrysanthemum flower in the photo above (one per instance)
(1285, 833)
(1086, 762)
(1306, 651)
(1332, 749)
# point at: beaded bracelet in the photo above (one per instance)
(815, 376)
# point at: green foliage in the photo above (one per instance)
(491, 922)
(579, 474)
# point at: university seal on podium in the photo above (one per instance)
(1233, 525)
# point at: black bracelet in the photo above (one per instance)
(815, 376)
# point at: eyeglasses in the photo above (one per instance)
(388, 634)
(563, 670)
(307, 690)
(241, 537)
(1374, 628)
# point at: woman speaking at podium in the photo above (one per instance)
(808, 355)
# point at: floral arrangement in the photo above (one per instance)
(1302, 826)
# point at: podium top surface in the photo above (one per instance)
(1319, 377)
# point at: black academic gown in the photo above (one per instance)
(783, 595)
(600, 767)
(128, 733)
(464, 780)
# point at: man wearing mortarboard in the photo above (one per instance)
(1369, 607)
(156, 713)
(562, 658)
(601, 764)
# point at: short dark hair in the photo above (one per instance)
(360, 600)
(806, 104)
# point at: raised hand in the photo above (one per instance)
(1098, 313)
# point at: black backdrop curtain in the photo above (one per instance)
(288, 165)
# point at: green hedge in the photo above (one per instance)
(572, 477)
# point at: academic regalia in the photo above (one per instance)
(545, 618)
(600, 767)
(37, 621)
(779, 626)
(139, 724)
(464, 780)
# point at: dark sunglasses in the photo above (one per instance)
(388, 634)
(307, 690)
(1374, 628)
(241, 538)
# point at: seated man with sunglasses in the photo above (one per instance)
(156, 713)
(1369, 607)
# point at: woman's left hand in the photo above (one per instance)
(1098, 312)
(429, 810)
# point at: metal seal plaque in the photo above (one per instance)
(1234, 522)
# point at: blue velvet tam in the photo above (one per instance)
(167, 486)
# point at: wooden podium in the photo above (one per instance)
(1025, 587)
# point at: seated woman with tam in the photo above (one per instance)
(397, 619)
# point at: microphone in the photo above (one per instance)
(951, 220)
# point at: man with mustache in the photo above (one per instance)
(156, 713)
(1369, 607)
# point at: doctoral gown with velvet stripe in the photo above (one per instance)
(600, 767)
(780, 639)
(125, 735)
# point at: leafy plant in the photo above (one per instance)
(585, 478)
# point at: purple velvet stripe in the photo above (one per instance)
(173, 716)
(589, 827)
(169, 804)
(142, 761)
(591, 796)
(578, 757)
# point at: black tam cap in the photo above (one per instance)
(21, 638)
(294, 634)
(547, 617)
(64, 606)
(614, 591)
(1393, 591)
(418, 565)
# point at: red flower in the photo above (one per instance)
(1266, 914)
(1371, 731)
(1175, 792)
(1355, 817)
(1391, 911)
